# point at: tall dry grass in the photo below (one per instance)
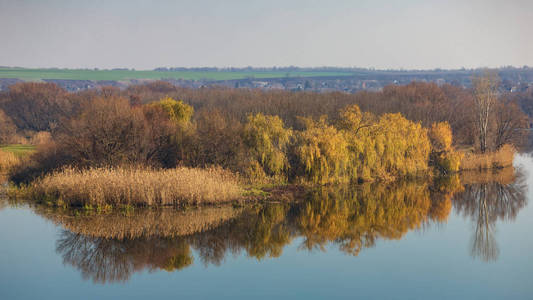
(8, 160)
(137, 186)
(490, 160)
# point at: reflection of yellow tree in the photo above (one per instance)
(442, 190)
(260, 231)
(495, 196)
(357, 218)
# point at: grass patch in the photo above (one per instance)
(254, 192)
(18, 149)
(98, 187)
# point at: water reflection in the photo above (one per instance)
(111, 247)
(114, 260)
(487, 198)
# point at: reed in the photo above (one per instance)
(136, 186)
(501, 158)
(8, 160)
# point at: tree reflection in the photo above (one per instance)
(487, 198)
(112, 260)
(113, 246)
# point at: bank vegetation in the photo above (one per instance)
(157, 144)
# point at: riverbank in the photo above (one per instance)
(135, 186)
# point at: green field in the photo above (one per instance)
(18, 150)
(117, 75)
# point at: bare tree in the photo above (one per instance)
(485, 97)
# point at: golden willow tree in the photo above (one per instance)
(362, 147)
(443, 155)
(323, 152)
(177, 111)
(267, 140)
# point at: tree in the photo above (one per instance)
(323, 152)
(177, 111)
(485, 97)
(443, 156)
(267, 138)
(217, 140)
(37, 106)
(509, 122)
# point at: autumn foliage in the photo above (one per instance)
(275, 136)
(444, 157)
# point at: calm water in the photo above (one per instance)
(460, 238)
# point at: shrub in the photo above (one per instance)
(40, 138)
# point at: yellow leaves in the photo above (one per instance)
(356, 218)
(443, 156)
(322, 149)
(177, 111)
(440, 135)
(363, 147)
(405, 145)
(267, 139)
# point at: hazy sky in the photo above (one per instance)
(381, 34)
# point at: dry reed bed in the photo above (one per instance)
(165, 222)
(8, 160)
(137, 187)
(491, 160)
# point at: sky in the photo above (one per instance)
(401, 34)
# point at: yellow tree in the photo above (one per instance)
(177, 111)
(402, 145)
(267, 140)
(443, 156)
(323, 152)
